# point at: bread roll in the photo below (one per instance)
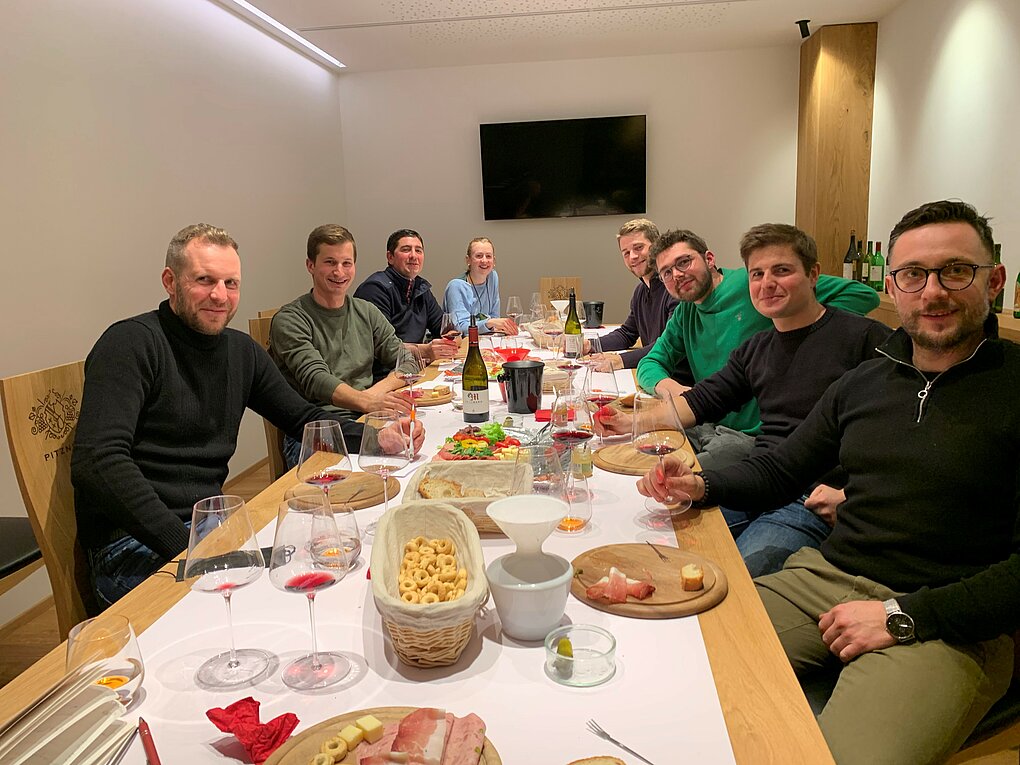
(598, 761)
(692, 577)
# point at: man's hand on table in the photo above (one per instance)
(393, 438)
(440, 348)
(851, 629)
(506, 326)
(374, 400)
(824, 501)
(663, 482)
(607, 362)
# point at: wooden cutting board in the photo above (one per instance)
(625, 459)
(428, 400)
(366, 488)
(302, 747)
(639, 561)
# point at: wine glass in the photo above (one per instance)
(448, 328)
(385, 448)
(537, 306)
(657, 431)
(570, 419)
(411, 364)
(600, 389)
(345, 519)
(323, 461)
(308, 556)
(107, 644)
(553, 329)
(514, 311)
(594, 349)
(223, 556)
(578, 497)
(539, 470)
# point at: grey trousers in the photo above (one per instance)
(718, 446)
(910, 704)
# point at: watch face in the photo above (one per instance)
(900, 626)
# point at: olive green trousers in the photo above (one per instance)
(910, 704)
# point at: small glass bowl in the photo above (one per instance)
(594, 659)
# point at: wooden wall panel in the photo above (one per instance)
(837, 86)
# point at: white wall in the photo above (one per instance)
(946, 115)
(124, 122)
(722, 141)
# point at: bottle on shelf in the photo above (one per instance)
(1000, 298)
(1016, 299)
(851, 253)
(861, 270)
(886, 266)
(573, 340)
(877, 278)
(475, 380)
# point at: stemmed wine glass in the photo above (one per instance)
(324, 460)
(224, 556)
(570, 419)
(578, 496)
(343, 517)
(385, 449)
(309, 556)
(539, 470)
(514, 311)
(553, 329)
(594, 349)
(537, 306)
(657, 431)
(600, 389)
(448, 328)
(411, 364)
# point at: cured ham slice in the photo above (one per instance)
(421, 735)
(464, 741)
(615, 588)
(380, 747)
(386, 758)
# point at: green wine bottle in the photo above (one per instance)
(1016, 298)
(573, 340)
(475, 380)
(860, 270)
(999, 299)
(851, 253)
(877, 277)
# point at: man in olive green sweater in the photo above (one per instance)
(715, 316)
(325, 342)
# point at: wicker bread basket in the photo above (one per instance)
(431, 635)
(497, 478)
(534, 328)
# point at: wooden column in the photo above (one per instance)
(837, 87)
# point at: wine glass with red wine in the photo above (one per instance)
(411, 365)
(448, 329)
(657, 431)
(600, 389)
(324, 460)
(224, 556)
(308, 557)
(570, 419)
(514, 311)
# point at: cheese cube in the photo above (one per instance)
(371, 727)
(352, 736)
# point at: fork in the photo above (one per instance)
(595, 728)
(658, 552)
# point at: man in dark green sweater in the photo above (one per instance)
(912, 601)
(163, 400)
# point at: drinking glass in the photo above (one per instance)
(411, 364)
(537, 306)
(224, 556)
(107, 643)
(657, 431)
(385, 449)
(594, 349)
(600, 389)
(514, 311)
(324, 460)
(539, 470)
(308, 556)
(553, 329)
(570, 419)
(578, 497)
(344, 517)
(448, 329)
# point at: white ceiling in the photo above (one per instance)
(369, 35)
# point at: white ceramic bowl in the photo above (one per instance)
(530, 592)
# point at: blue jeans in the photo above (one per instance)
(291, 451)
(120, 566)
(766, 541)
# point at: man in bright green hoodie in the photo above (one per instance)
(714, 317)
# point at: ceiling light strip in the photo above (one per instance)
(267, 23)
(524, 14)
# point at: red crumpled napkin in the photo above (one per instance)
(259, 739)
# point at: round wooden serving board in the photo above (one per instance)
(625, 459)
(428, 400)
(302, 747)
(366, 488)
(639, 561)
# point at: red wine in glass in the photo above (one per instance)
(655, 449)
(310, 582)
(571, 437)
(327, 478)
(599, 398)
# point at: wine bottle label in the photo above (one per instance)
(476, 402)
(876, 273)
(572, 345)
(848, 270)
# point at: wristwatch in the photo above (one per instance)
(897, 623)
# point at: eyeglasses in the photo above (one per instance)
(955, 276)
(679, 265)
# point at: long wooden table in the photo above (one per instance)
(766, 715)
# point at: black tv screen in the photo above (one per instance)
(563, 168)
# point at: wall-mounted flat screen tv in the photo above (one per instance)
(563, 168)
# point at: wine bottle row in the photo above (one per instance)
(865, 267)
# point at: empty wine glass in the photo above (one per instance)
(514, 311)
(657, 431)
(385, 448)
(345, 519)
(324, 460)
(308, 556)
(223, 556)
(578, 497)
(411, 364)
(537, 306)
(107, 644)
(539, 470)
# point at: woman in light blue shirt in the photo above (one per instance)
(476, 293)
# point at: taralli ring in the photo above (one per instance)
(420, 577)
(429, 597)
(408, 585)
(335, 747)
(321, 759)
(410, 596)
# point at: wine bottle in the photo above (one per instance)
(1016, 298)
(887, 257)
(851, 253)
(861, 271)
(997, 303)
(475, 380)
(876, 267)
(573, 340)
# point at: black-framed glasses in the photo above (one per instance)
(679, 265)
(954, 276)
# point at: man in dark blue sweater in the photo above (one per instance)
(912, 601)
(163, 400)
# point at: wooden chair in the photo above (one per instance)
(558, 288)
(259, 330)
(41, 411)
(268, 313)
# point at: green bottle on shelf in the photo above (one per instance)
(861, 266)
(1000, 298)
(851, 254)
(876, 267)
